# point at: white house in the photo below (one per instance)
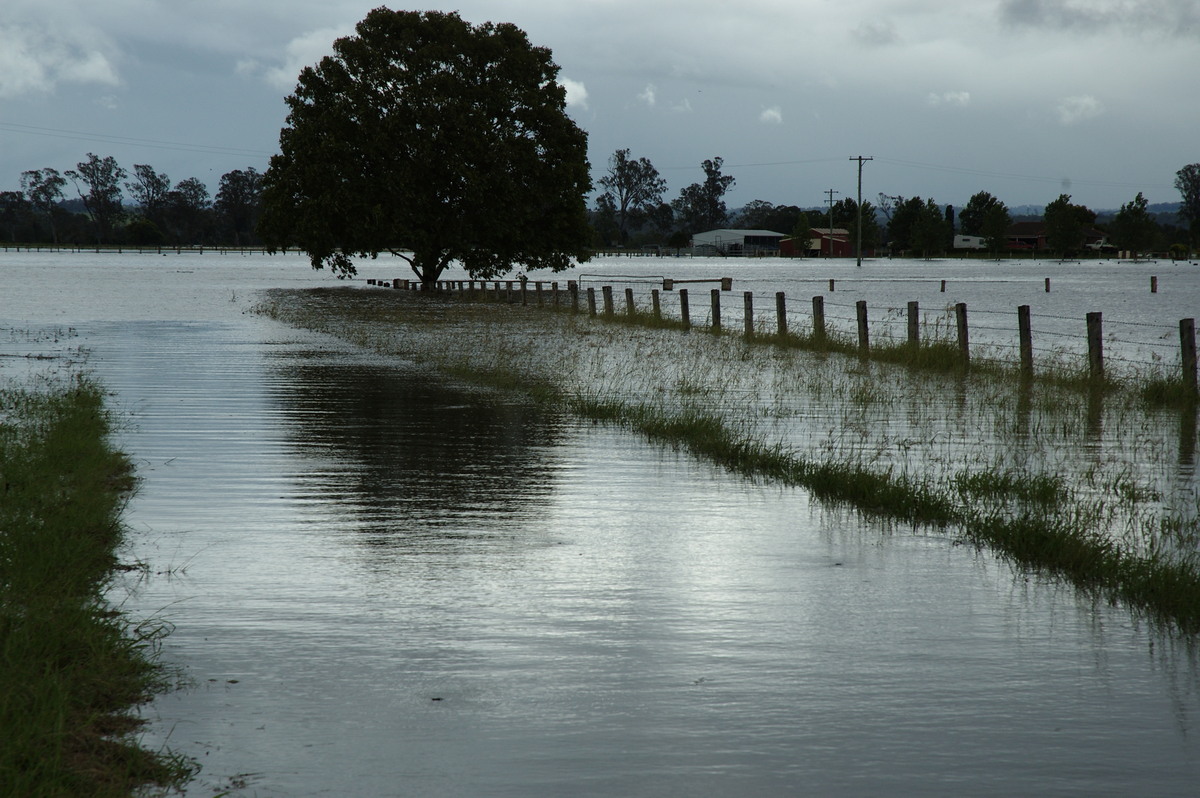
(727, 241)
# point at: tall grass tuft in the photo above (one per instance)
(73, 668)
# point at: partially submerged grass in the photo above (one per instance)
(73, 668)
(1065, 482)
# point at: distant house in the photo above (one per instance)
(727, 241)
(1032, 236)
(822, 242)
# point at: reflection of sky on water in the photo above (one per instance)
(597, 616)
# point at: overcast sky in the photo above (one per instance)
(1023, 98)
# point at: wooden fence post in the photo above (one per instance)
(726, 283)
(716, 309)
(573, 290)
(748, 312)
(1187, 346)
(1095, 338)
(781, 313)
(554, 293)
(1025, 331)
(608, 300)
(591, 295)
(684, 313)
(831, 285)
(964, 344)
(629, 302)
(818, 303)
(914, 324)
(1154, 285)
(1047, 285)
(656, 304)
(537, 287)
(864, 335)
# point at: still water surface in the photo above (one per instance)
(384, 583)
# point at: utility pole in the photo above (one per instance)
(858, 242)
(831, 192)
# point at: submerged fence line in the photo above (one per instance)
(519, 291)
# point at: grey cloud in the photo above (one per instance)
(1173, 17)
(877, 33)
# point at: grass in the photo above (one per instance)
(73, 668)
(1069, 483)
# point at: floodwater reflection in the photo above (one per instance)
(412, 457)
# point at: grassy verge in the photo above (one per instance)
(1074, 486)
(72, 669)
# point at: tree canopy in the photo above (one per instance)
(634, 189)
(1133, 227)
(971, 217)
(435, 140)
(1064, 224)
(701, 206)
(1187, 181)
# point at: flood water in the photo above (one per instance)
(385, 583)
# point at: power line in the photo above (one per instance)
(77, 135)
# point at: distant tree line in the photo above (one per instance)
(99, 202)
(631, 212)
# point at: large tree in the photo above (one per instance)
(1133, 227)
(435, 140)
(149, 191)
(634, 187)
(994, 228)
(1065, 223)
(701, 206)
(44, 190)
(239, 203)
(187, 211)
(101, 177)
(970, 218)
(1187, 181)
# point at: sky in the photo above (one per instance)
(1025, 99)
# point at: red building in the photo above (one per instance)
(822, 243)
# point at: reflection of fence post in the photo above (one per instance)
(914, 327)
(591, 295)
(819, 318)
(628, 301)
(1095, 336)
(864, 340)
(964, 345)
(716, 309)
(1187, 345)
(684, 313)
(781, 313)
(748, 312)
(608, 300)
(1025, 330)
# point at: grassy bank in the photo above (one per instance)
(73, 669)
(1095, 488)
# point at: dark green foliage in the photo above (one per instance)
(994, 228)
(423, 134)
(701, 206)
(72, 669)
(633, 188)
(971, 217)
(1133, 228)
(1065, 223)
(101, 177)
(1187, 181)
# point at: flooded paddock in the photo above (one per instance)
(384, 582)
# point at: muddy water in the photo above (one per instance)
(383, 583)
